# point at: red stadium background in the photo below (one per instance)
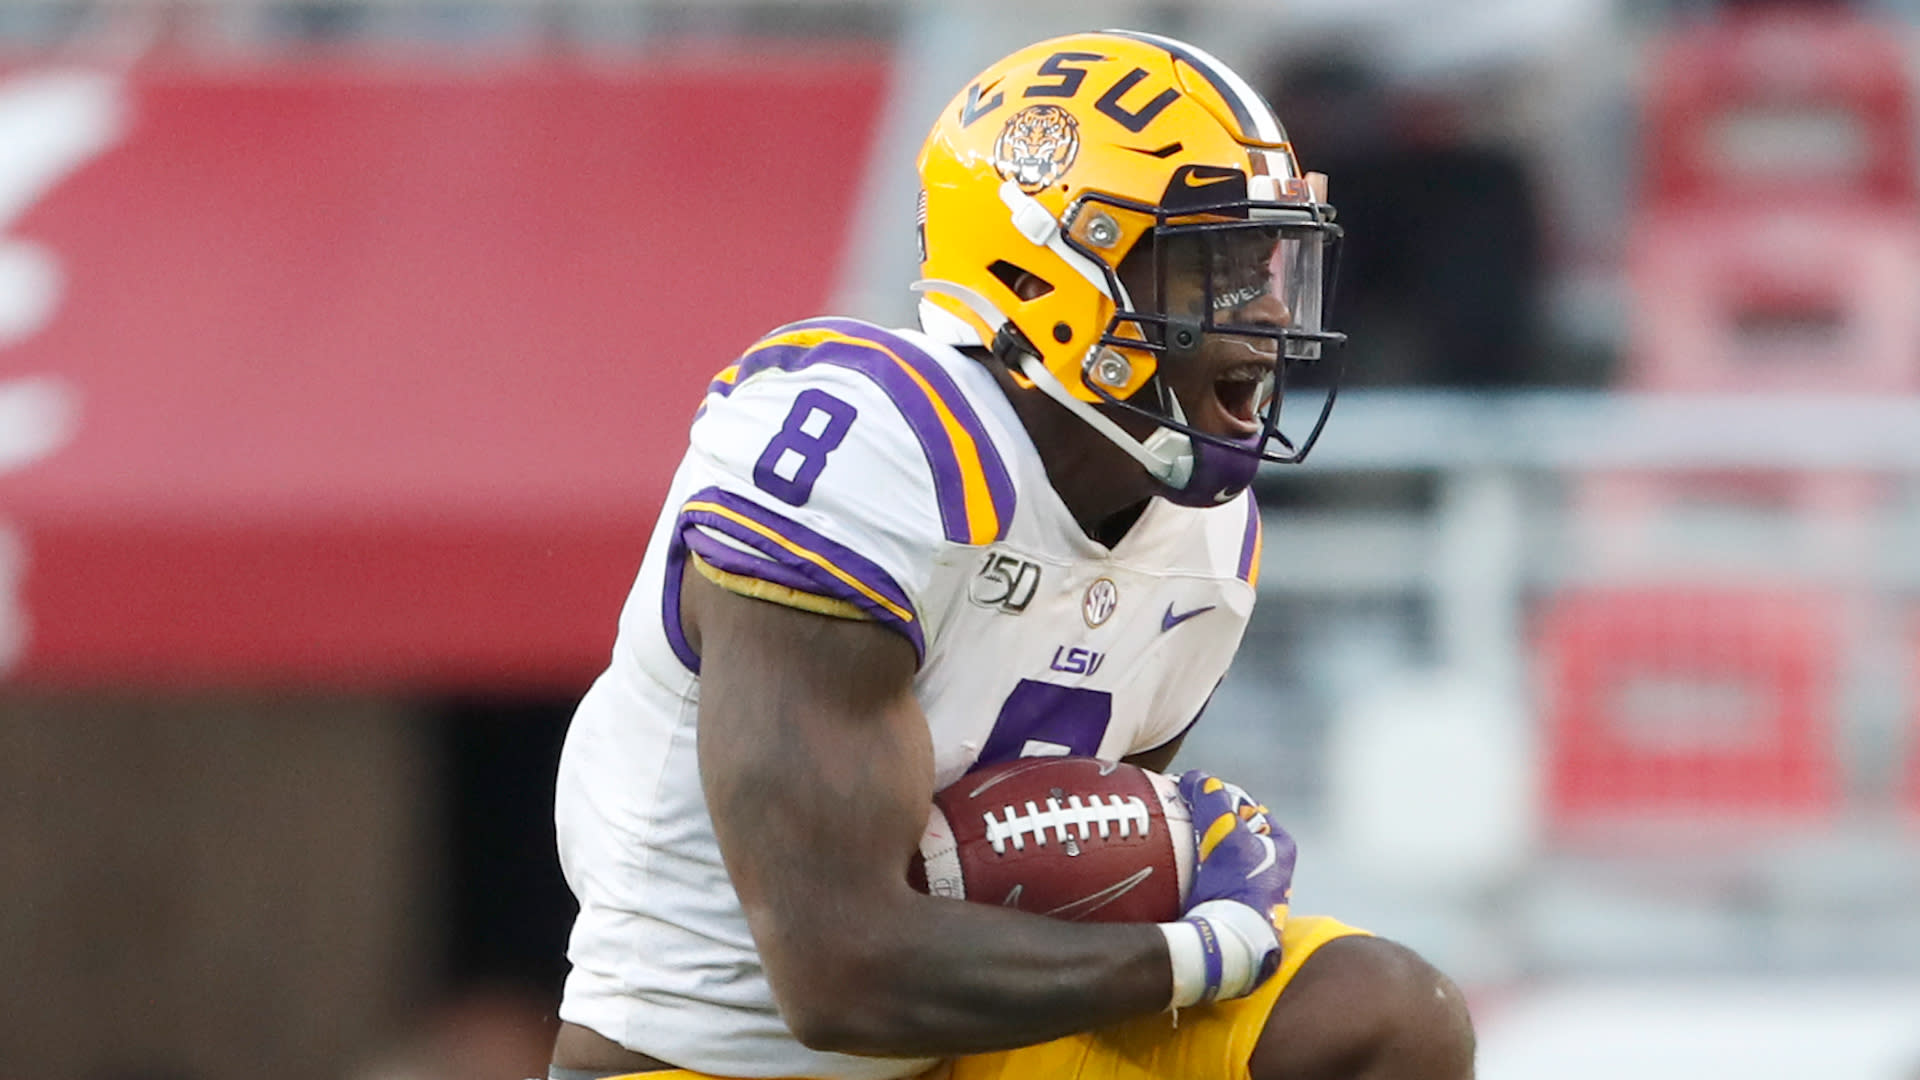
(377, 374)
(337, 399)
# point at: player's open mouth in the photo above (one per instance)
(1241, 392)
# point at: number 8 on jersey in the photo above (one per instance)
(791, 463)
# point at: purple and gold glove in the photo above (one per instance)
(1242, 880)
(1243, 855)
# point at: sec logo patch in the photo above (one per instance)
(1097, 606)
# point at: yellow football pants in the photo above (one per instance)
(1206, 1042)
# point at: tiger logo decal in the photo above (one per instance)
(1037, 146)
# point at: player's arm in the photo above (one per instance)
(818, 771)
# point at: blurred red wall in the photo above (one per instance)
(377, 375)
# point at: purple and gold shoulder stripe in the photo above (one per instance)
(749, 549)
(970, 479)
(1249, 569)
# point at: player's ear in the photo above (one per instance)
(1022, 282)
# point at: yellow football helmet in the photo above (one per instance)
(1045, 173)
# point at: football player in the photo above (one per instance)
(892, 556)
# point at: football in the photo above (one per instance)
(1071, 837)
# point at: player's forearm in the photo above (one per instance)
(951, 978)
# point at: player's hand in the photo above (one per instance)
(1243, 877)
(1243, 856)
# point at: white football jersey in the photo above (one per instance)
(871, 474)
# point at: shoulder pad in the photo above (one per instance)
(971, 482)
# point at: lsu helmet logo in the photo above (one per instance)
(1037, 146)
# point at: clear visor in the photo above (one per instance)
(1261, 280)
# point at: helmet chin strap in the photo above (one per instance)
(955, 330)
(1167, 455)
(1042, 229)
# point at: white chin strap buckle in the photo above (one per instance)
(1029, 217)
(1176, 450)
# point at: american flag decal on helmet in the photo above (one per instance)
(920, 225)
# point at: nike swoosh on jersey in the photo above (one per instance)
(1171, 620)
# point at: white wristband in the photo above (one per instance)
(1220, 949)
(1189, 963)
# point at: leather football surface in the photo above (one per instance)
(1069, 837)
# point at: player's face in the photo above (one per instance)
(1224, 279)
